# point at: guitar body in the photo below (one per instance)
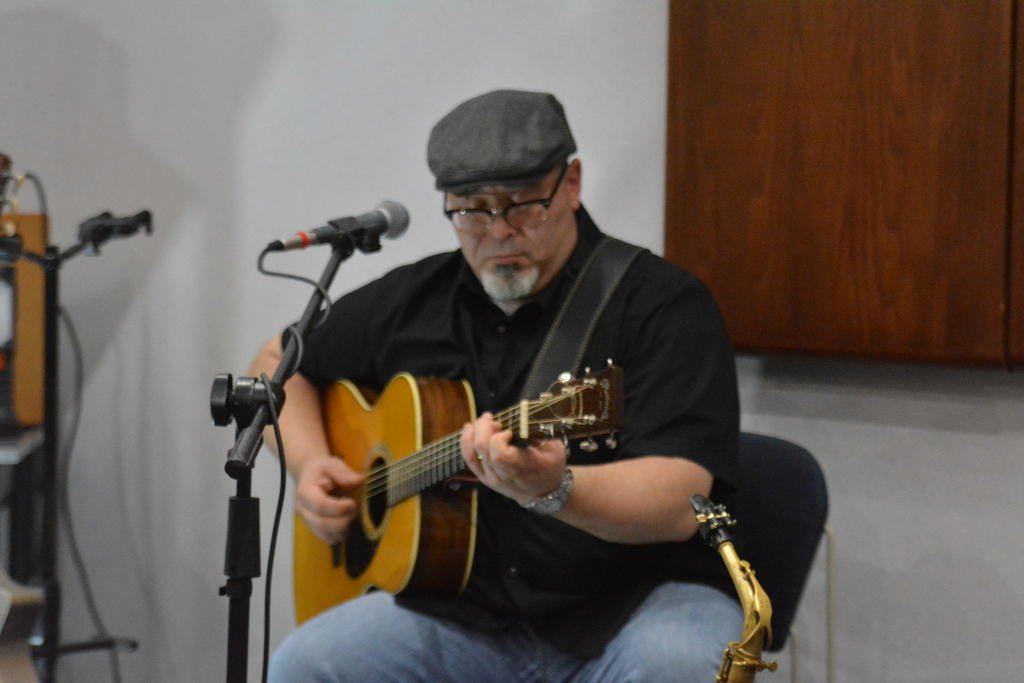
(420, 545)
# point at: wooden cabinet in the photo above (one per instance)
(1015, 304)
(848, 177)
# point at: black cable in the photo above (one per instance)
(40, 193)
(326, 297)
(18, 179)
(325, 305)
(277, 523)
(64, 505)
(300, 348)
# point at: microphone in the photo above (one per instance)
(389, 219)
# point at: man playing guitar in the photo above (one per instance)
(579, 563)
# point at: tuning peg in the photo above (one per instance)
(610, 441)
(565, 377)
(588, 445)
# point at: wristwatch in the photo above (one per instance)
(553, 502)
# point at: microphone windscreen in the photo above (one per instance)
(397, 218)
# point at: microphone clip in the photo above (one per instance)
(105, 226)
(365, 240)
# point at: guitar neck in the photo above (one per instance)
(578, 408)
(432, 464)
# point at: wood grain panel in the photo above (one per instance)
(1016, 274)
(837, 172)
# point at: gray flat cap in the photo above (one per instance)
(509, 138)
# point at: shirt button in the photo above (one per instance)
(502, 328)
(512, 572)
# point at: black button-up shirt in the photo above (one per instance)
(432, 318)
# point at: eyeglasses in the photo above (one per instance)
(520, 215)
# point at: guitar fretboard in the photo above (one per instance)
(428, 466)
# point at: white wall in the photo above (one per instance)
(925, 466)
(236, 123)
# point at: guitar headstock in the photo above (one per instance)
(575, 407)
(713, 520)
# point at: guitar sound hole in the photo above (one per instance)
(377, 493)
(359, 549)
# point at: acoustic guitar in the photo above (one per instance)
(416, 529)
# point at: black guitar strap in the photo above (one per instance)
(567, 340)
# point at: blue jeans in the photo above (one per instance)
(677, 634)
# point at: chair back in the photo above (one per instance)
(780, 510)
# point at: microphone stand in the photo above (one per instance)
(50, 648)
(245, 400)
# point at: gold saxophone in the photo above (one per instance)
(742, 659)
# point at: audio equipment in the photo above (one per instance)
(22, 327)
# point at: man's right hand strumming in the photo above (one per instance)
(325, 493)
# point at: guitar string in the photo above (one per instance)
(407, 471)
(437, 451)
(440, 458)
(406, 478)
(403, 472)
(425, 460)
